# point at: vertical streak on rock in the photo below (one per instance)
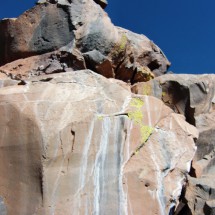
(85, 155)
(84, 166)
(159, 191)
(99, 180)
(109, 196)
(55, 188)
(124, 155)
(148, 111)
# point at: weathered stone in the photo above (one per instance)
(209, 207)
(53, 62)
(200, 193)
(61, 26)
(99, 63)
(192, 96)
(79, 142)
(42, 29)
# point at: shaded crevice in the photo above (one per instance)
(41, 182)
(73, 140)
(177, 97)
(185, 210)
(44, 39)
(46, 79)
(182, 208)
(61, 145)
(113, 115)
(89, 64)
(66, 9)
(118, 66)
(171, 211)
(56, 71)
(153, 65)
(189, 113)
(16, 77)
(192, 172)
(133, 76)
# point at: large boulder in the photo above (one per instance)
(78, 143)
(76, 31)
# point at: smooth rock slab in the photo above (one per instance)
(78, 143)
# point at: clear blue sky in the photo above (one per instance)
(184, 30)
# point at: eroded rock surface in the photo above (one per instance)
(79, 35)
(78, 143)
(192, 96)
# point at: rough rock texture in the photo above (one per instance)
(194, 97)
(115, 156)
(85, 128)
(78, 35)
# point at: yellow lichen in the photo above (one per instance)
(120, 46)
(144, 74)
(136, 116)
(145, 131)
(123, 43)
(163, 94)
(147, 90)
(136, 102)
(100, 117)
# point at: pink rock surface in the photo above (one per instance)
(192, 96)
(78, 143)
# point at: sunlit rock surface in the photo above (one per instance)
(88, 127)
(78, 143)
(194, 97)
(78, 34)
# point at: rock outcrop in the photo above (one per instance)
(194, 97)
(78, 35)
(107, 158)
(90, 124)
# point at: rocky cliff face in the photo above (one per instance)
(91, 125)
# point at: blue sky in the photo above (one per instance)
(184, 29)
